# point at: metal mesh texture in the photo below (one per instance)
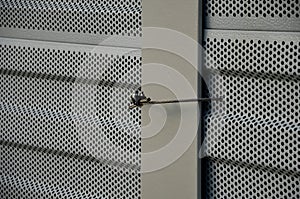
(71, 104)
(256, 8)
(257, 14)
(65, 127)
(85, 17)
(252, 138)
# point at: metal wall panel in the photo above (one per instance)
(256, 15)
(252, 138)
(65, 127)
(93, 22)
(169, 20)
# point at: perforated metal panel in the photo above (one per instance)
(65, 127)
(81, 17)
(257, 14)
(252, 138)
(111, 22)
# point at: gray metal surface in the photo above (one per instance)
(269, 15)
(252, 139)
(65, 127)
(93, 22)
(164, 136)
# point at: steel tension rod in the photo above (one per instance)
(138, 99)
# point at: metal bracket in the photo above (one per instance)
(138, 99)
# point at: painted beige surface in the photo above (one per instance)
(179, 179)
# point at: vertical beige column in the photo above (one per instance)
(178, 179)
